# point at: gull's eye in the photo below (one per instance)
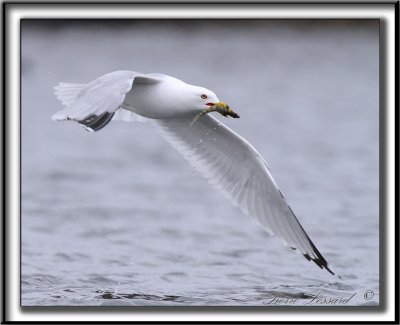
(204, 96)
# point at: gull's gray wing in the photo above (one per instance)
(93, 105)
(234, 167)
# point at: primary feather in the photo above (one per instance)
(234, 167)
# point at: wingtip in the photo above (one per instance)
(333, 272)
(322, 264)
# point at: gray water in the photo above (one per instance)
(118, 217)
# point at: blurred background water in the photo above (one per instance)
(119, 218)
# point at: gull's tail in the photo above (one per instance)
(77, 110)
(93, 105)
(67, 93)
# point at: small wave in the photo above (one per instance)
(41, 279)
(287, 295)
(140, 296)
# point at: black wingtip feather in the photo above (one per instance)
(317, 258)
(97, 122)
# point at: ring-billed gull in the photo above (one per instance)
(181, 111)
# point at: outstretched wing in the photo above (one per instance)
(93, 105)
(234, 166)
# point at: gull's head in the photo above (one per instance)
(194, 99)
(204, 98)
(207, 102)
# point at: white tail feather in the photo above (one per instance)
(95, 104)
(67, 93)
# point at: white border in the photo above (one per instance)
(16, 12)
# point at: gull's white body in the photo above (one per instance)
(227, 160)
(142, 101)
